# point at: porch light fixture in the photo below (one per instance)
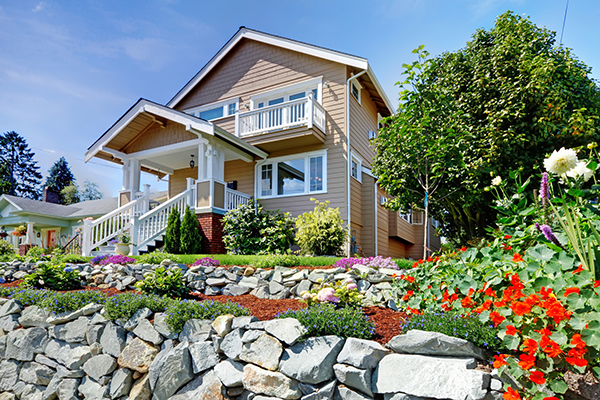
(192, 162)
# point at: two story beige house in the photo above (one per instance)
(267, 117)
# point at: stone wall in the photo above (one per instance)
(81, 355)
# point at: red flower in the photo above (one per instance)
(577, 342)
(507, 236)
(394, 275)
(571, 290)
(408, 295)
(496, 318)
(410, 279)
(545, 292)
(578, 361)
(537, 377)
(467, 302)
(520, 307)
(416, 264)
(490, 292)
(557, 312)
(544, 331)
(511, 394)
(551, 398)
(511, 330)
(578, 270)
(597, 283)
(530, 346)
(429, 259)
(485, 306)
(499, 361)
(527, 361)
(517, 258)
(550, 347)
(463, 249)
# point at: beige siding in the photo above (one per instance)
(157, 136)
(356, 201)
(177, 181)
(254, 67)
(363, 118)
(368, 211)
(382, 226)
(397, 249)
(243, 173)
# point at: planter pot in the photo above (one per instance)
(122, 249)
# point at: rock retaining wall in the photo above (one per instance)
(81, 355)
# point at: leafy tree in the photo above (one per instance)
(20, 172)
(59, 177)
(502, 102)
(70, 194)
(90, 191)
(73, 194)
(173, 234)
(190, 234)
(321, 232)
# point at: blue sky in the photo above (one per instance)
(70, 69)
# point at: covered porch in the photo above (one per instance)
(161, 141)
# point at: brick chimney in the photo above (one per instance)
(51, 196)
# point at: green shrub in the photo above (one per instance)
(325, 319)
(71, 259)
(71, 301)
(191, 241)
(173, 234)
(178, 313)
(156, 257)
(35, 252)
(54, 277)
(403, 263)
(27, 297)
(467, 327)
(321, 231)
(123, 306)
(6, 248)
(249, 229)
(164, 282)
(277, 260)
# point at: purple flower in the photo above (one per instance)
(547, 231)
(119, 259)
(544, 195)
(2, 280)
(68, 269)
(206, 262)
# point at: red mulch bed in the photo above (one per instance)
(387, 321)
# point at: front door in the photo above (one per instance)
(51, 238)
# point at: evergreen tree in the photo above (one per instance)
(173, 234)
(90, 192)
(190, 234)
(59, 177)
(20, 172)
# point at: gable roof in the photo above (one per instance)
(72, 211)
(357, 62)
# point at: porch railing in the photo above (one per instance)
(296, 113)
(235, 199)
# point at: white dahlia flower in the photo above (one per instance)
(496, 181)
(561, 161)
(579, 170)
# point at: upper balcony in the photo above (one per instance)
(295, 123)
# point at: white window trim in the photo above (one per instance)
(356, 83)
(359, 164)
(273, 161)
(223, 103)
(383, 200)
(290, 89)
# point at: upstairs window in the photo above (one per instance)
(289, 93)
(356, 168)
(218, 110)
(293, 175)
(355, 89)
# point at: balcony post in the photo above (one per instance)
(237, 122)
(86, 238)
(310, 110)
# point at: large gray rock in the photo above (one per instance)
(36, 374)
(146, 332)
(34, 316)
(120, 384)
(356, 378)
(9, 322)
(287, 330)
(99, 366)
(232, 344)
(175, 372)
(264, 351)
(195, 330)
(67, 389)
(312, 361)
(138, 355)
(204, 387)
(243, 322)
(434, 343)
(10, 374)
(403, 396)
(156, 366)
(362, 353)
(23, 344)
(424, 376)
(140, 389)
(161, 326)
(63, 318)
(113, 339)
(345, 393)
(74, 356)
(222, 324)
(136, 318)
(91, 390)
(235, 290)
(324, 393)
(203, 355)
(94, 333)
(10, 307)
(270, 383)
(76, 330)
(30, 392)
(230, 372)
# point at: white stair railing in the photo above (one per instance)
(154, 223)
(107, 227)
(234, 199)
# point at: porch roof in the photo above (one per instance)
(114, 144)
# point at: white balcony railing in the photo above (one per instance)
(302, 112)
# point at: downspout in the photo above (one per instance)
(349, 154)
(376, 231)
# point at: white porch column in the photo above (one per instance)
(134, 174)
(201, 161)
(126, 175)
(29, 237)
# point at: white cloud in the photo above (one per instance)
(41, 5)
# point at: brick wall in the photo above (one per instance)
(211, 230)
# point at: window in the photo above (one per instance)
(384, 200)
(288, 93)
(372, 135)
(215, 110)
(407, 217)
(356, 170)
(355, 88)
(293, 175)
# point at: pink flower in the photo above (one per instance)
(327, 294)
(306, 296)
(351, 286)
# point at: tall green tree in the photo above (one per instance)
(173, 233)
(20, 172)
(503, 102)
(59, 177)
(90, 191)
(73, 194)
(191, 241)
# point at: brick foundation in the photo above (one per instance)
(211, 230)
(24, 248)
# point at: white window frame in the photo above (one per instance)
(285, 92)
(383, 200)
(274, 161)
(356, 160)
(223, 103)
(354, 83)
